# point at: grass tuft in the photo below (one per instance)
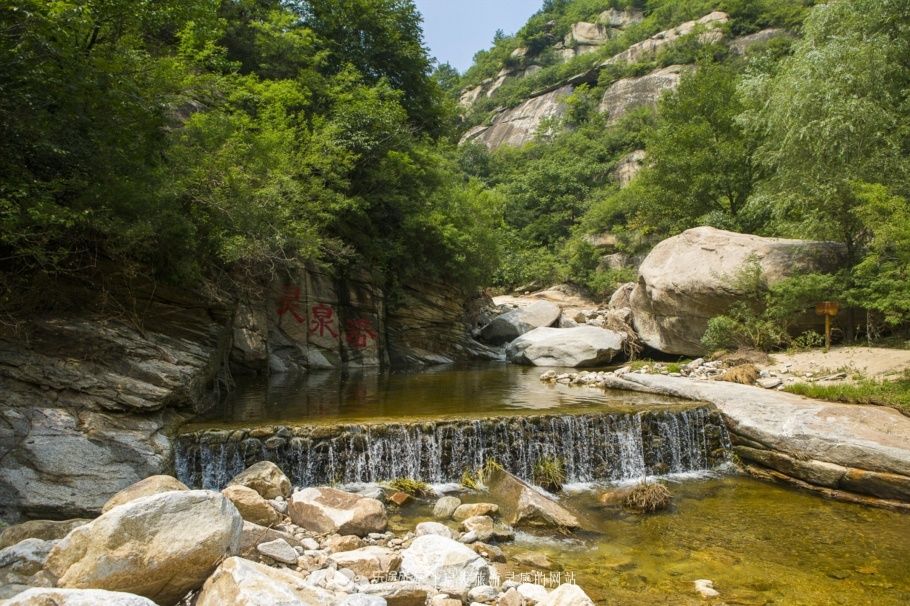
(410, 486)
(746, 374)
(895, 394)
(648, 497)
(550, 473)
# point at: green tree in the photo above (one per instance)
(836, 114)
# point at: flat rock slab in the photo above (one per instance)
(870, 438)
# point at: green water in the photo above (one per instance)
(760, 543)
(368, 396)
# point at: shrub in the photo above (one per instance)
(746, 374)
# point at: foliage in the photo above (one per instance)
(202, 136)
(894, 393)
(550, 473)
(764, 315)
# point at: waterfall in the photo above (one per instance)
(596, 446)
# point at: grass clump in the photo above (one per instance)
(895, 394)
(550, 473)
(410, 486)
(746, 374)
(648, 497)
(470, 480)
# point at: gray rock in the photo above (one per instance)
(567, 595)
(566, 347)
(519, 125)
(26, 557)
(425, 528)
(359, 599)
(266, 478)
(525, 505)
(279, 550)
(445, 507)
(769, 382)
(629, 93)
(46, 530)
(511, 325)
(452, 567)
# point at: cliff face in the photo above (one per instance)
(521, 124)
(90, 402)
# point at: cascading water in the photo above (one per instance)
(596, 446)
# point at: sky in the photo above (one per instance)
(456, 29)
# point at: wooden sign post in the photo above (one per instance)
(829, 309)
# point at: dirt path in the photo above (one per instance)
(851, 362)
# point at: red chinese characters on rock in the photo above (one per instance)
(323, 320)
(290, 303)
(359, 332)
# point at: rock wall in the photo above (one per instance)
(89, 402)
(628, 93)
(520, 125)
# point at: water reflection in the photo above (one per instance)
(442, 391)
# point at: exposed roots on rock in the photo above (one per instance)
(648, 497)
(632, 346)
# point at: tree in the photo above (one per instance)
(700, 158)
(836, 115)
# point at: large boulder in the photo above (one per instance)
(76, 597)
(143, 488)
(160, 546)
(567, 347)
(523, 504)
(628, 93)
(512, 324)
(240, 582)
(326, 510)
(252, 507)
(46, 530)
(266, 478)
(689, 279)
(444, 563)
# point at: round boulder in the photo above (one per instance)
(160, 546)
(329, 510)
(690, 278)
(567, 347)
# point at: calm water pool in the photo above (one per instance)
(482, 390)
(760, 543)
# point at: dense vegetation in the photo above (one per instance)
(804, 136)
(194, 137)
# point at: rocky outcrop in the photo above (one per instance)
(520, 124)
(88, 402)
(160, 546)
(744, 44)
(849, 451)
(369, 563)
(330, 510)
(628, 167)
(706, 27)
(240, 582)
(437, 561)
(689, 279)
(629, 93)
(525, 505)
(567, 347)
(512, 324)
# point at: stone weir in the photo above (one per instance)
(593, 445)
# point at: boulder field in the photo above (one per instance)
(154, 546)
